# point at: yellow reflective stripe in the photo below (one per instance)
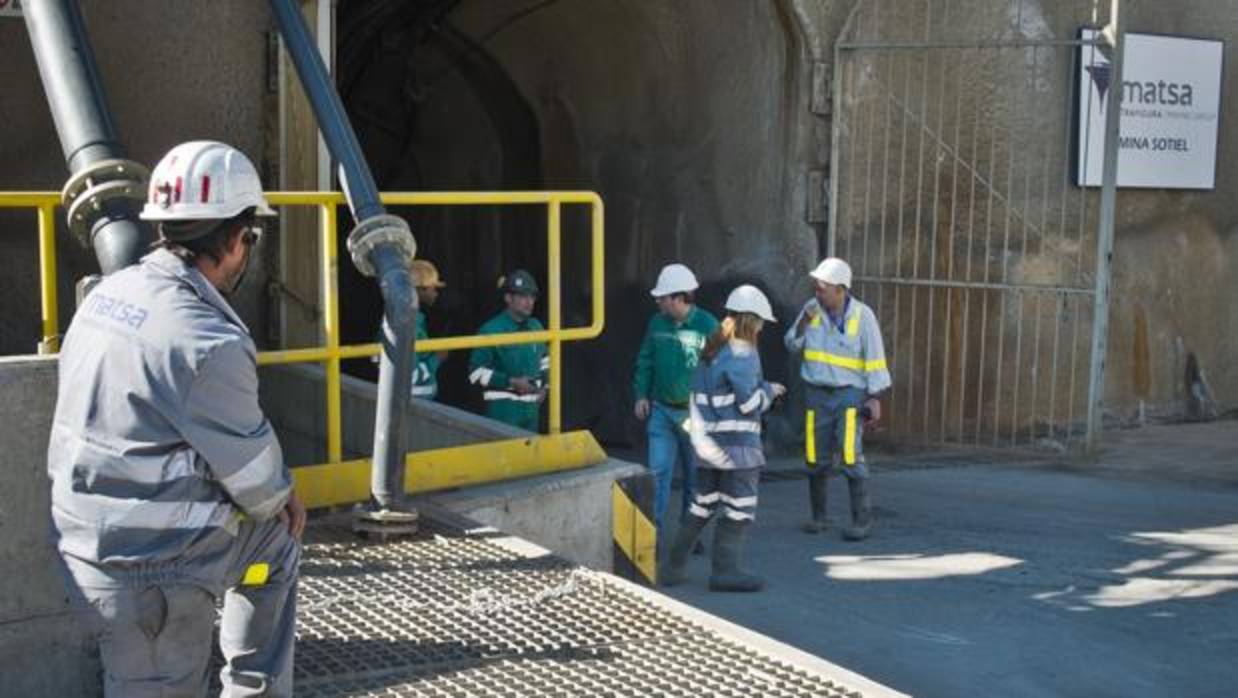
(815, 321)
(833, 359)
(844, 361)
(853, 325)
(849, 438)
(810, 438)
(256, 574)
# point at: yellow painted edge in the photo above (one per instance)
(646, 545)
(333, 484)
(634, 533)
(620, 520)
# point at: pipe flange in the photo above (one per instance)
(93, 186)
(382, 229)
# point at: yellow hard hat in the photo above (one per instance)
(425, 273)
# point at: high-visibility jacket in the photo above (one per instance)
(425, 370)
(668, 356)
(729, 395)
(832, 357)
(157, 441)
(425, 363)
(492, 368)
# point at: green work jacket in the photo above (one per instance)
(668, 356)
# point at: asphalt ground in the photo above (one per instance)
(997, 577)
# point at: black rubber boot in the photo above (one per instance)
(816, 500)
(698, 548)
(728, 546)
(861, 510)
(671, 572)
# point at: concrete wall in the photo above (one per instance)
(172, 71)
(1176, 255)
(1174, 292)
(42, 647)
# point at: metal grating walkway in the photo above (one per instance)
(473, 616)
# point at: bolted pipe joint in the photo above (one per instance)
(381, 231)
(86, 194)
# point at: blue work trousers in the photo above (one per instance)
(669, 443)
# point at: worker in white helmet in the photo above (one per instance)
(844, 372)
(729, 395)
(169, 488)
(662, 380)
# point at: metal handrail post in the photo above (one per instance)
(50, 343)
(555, 313)
(331, 329)
(599, 269)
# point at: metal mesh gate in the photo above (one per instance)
(954, 199)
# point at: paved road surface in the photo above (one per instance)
(1012, 581)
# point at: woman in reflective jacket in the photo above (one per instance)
(729, 394)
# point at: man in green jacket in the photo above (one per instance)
(513, 378)
(662, 381)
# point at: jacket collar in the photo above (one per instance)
(171, 265)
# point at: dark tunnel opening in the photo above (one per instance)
(435, 112)
(613, 97)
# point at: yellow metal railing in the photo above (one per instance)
(44, 204)
(332, 352)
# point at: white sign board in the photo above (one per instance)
(10, 8)
(1171, 103)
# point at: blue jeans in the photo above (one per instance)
(669, 444)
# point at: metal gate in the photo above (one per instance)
(953, 197)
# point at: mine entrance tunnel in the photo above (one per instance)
(616, 98)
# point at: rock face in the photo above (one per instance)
(706, 127)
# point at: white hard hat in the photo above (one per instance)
(749, 299)
(674, 278)
(203, 180)
(833, 270)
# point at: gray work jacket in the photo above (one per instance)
(158, 443)
(853, 356)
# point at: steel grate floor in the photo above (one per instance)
(468, 616)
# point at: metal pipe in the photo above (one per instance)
(1104, 238)
(101, 193)
(381, 245)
